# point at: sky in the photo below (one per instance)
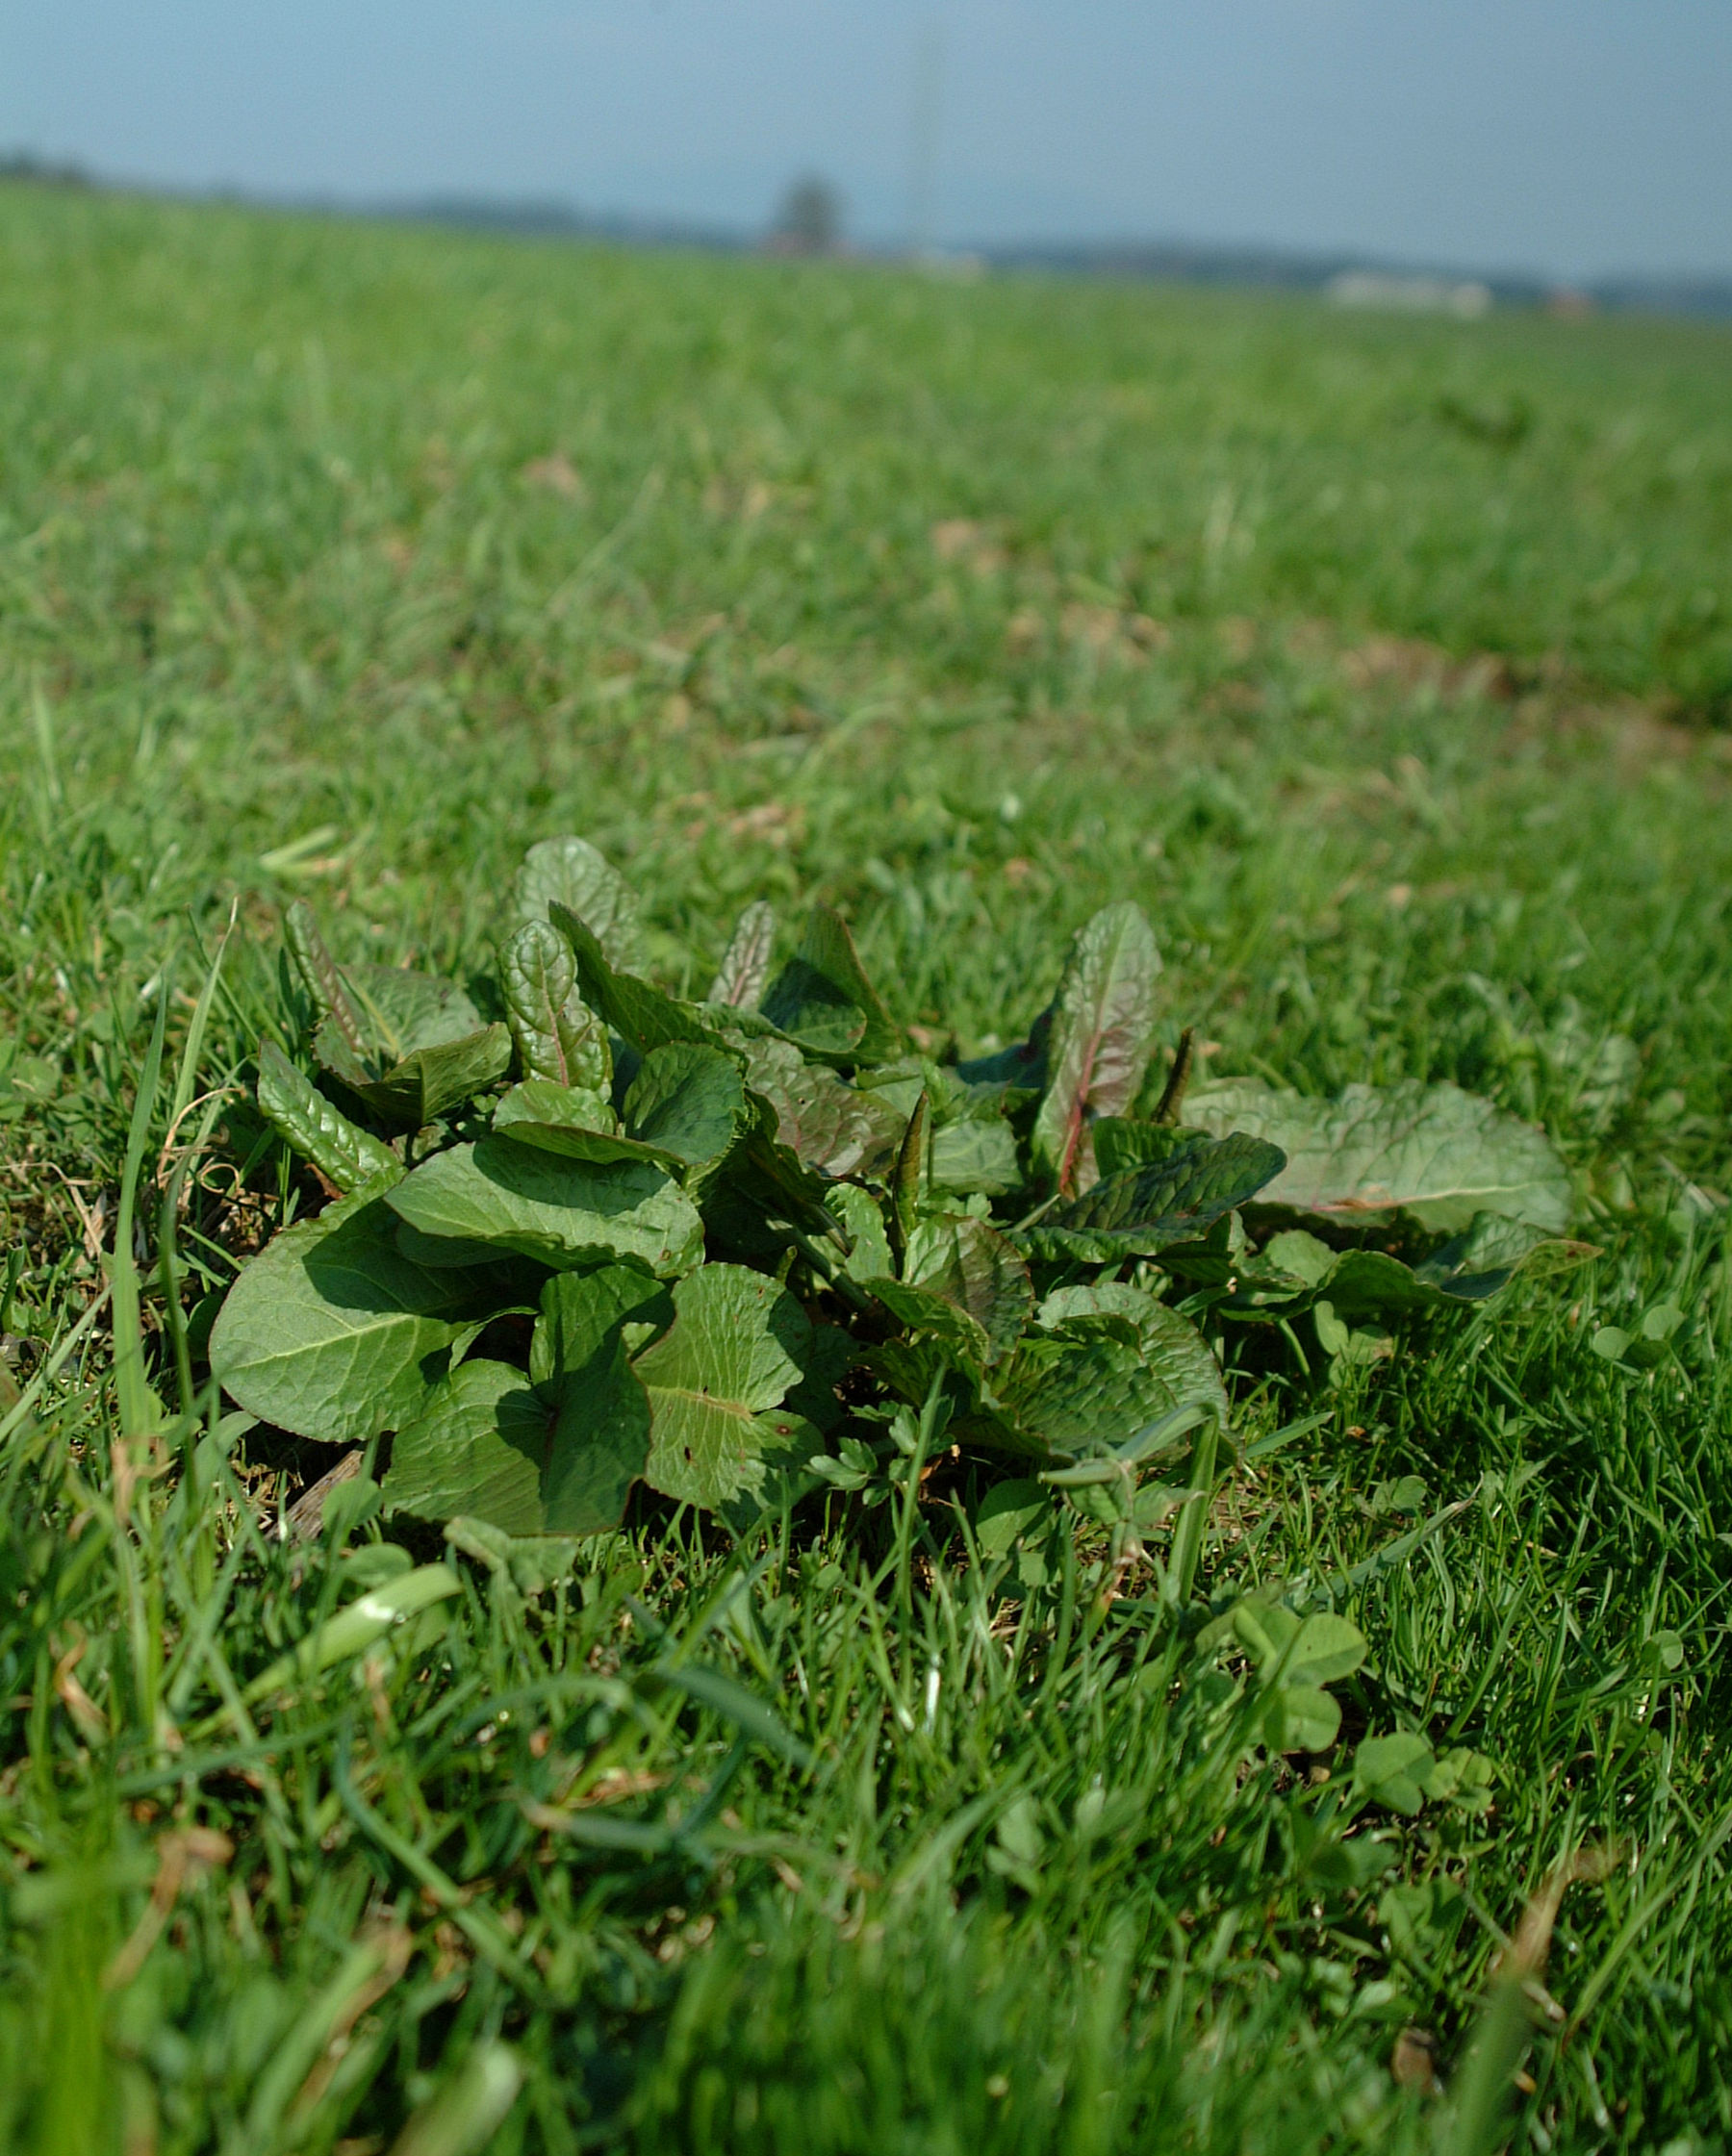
(1566, 138)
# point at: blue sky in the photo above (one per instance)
(1571, 137)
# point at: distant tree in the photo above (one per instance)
(41, 172)
(809, 221)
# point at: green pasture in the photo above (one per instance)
(1388, 664)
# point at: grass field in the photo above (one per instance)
(1388, 663)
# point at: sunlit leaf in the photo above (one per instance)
(332, 1332)
(552, 1459)
(429, 1083)
(823, 999)
(1430, 1150)
(475, 1201)
(745, 969)
(558, 1038)
(1098, 1050)
(827, 1123)
(344, 1154)
(736, 1347)
(960, 1268)
(1140, 1210)
(572, 873)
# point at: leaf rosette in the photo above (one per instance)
(617, 1237)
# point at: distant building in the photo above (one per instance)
(1410, 295)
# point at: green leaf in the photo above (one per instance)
(558, 1457)
(831, 1356)
(1175, 1353)
(1141, 1210)
(555, 1453)
(1301, 1257)
(496, 1195)
(976, 1270)
(1120, 1144)
(911, 1177)
(1293, 1268)
(344, 1154)
(531, 1562)
(1015, 1073)
(355, 1068)
(1007, 1512)
(924, 1311)
(738, 1345)
(688, 1101)
(827, 1123)
(640, 1014)
(1328, 1648)
(1433, 1152)
(1404, 1774)
(1364, 1281)
(582, 1312)
(1492, 1252)
(1301, 1718)
(684, 1105)
(319, 975)
(1399, 1493)
(1220, 1258)
(1647, 1346)
(429, 1083)
(1316, 1650)
(744, 967)
(1098, 1046)
(764, 1184)
(477, 1447)
(351, 1631)
(1295, 1658)
(565, 1119)
(1463, 1778)
(331, 1332)
(1391, 1771)
(570, 873)
(869, 1257)
(1087, 1390)
(557, 1035)
(974, 1153)
(962, 1284)
(1348, 1348)
(404, 1011)
(823, 999)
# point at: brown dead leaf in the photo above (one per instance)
(971, 545)
(554, 474)
(1413, 2061)
(305, 1521)
(393, 1946)
(1107, 635)
(73, 1697)
(180, 1856)
(771, 822)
